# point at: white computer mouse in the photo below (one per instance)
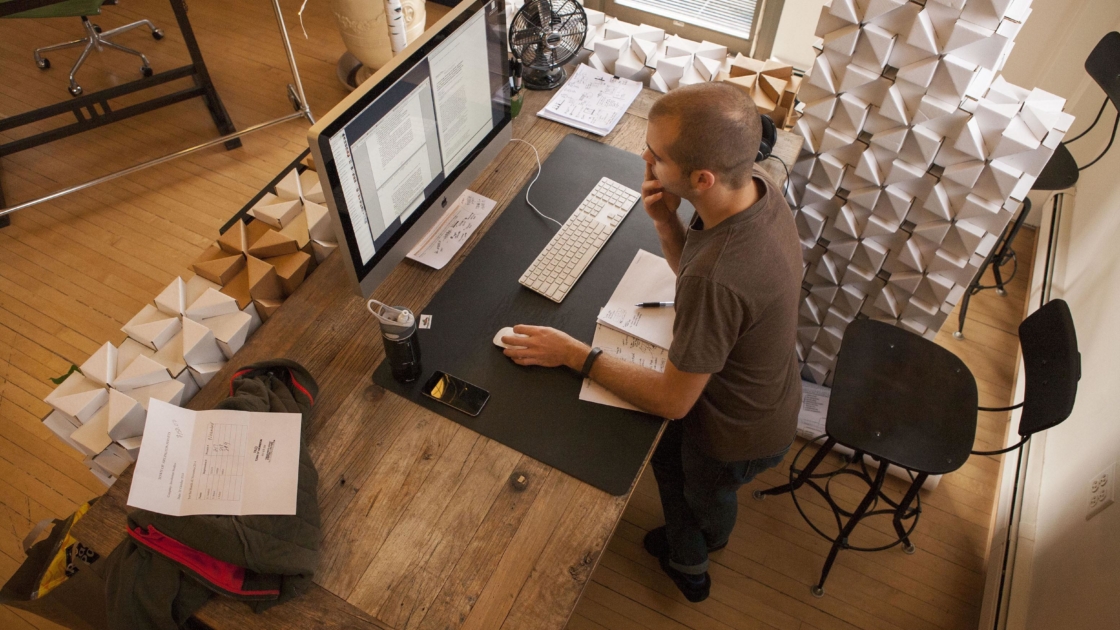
(506, 332)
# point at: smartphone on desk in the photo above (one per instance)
(456, 393)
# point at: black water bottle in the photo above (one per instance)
(398, 334)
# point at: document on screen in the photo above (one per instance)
(461, 87)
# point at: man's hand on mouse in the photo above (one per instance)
(660, 204)
(546, 347)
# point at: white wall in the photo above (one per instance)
(1072, 565)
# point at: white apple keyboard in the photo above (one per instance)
(572, 249)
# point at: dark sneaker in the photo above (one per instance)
(695, 588)
(657, 543)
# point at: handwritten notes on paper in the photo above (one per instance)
(620, 345)
(814, 410)
(217, 462)
(592, 100)
(440, 245)
(648, 279)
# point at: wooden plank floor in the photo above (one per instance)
(74, 270)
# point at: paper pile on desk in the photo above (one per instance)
(639, 335)
(442, 242)
(592, 100)
(217, 462)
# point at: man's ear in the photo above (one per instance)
(702, 180)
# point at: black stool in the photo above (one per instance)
(1060, 173)
(902, 400)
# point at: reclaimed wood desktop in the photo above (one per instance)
(422, 527)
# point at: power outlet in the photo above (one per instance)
(1102, 491)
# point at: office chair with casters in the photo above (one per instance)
(94, 38)
(1052, 365)
(902, 401)
(1061, 171)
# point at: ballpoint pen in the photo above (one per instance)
(653, 304)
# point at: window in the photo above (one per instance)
(744, 26)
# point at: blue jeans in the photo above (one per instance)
(698, 496)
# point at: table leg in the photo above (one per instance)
(202, 77)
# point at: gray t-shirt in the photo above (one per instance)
(738, 290)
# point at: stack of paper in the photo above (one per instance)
(592, 100)
(639, 335)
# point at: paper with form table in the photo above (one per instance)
(440, 245)
(216, 462)
(616, 344)
(648, 279)
(591, 100)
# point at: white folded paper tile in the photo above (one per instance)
(843, 40)
(132, 445)
(190, 386)
(230, 331)
(169, 391)
(255, 322)
(114, 459)
(319, 223)
(310, 186)
(126, 416)
(279, 214)
(63, 426)
(151, 327)
(203, 373)
(93, 436)
(170, 355)
(288, 188)
(323, 249)
(142, 372)
(105, 478)
(101, 367)
(173, 298)
(212, 303)
(199, 344)
(78, 397)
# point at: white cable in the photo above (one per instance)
(538, 155)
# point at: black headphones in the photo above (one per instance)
(769, 138)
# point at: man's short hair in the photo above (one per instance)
(718, 130)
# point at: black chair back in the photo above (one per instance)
(1052, 365)
(1103, 65)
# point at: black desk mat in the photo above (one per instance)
(537, 410)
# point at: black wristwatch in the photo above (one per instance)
(586, 371)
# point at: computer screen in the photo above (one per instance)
(394, 147)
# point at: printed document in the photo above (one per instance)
(616, 344)
(648, 279)
(440, 245)
(814, 410)
(592, 100)
(216, 462)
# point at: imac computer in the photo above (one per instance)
(400, 149)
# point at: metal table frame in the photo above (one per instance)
(93, 110)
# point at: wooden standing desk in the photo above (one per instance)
(421, 525)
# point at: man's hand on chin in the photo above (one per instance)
(544, 346)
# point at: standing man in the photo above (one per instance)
(732, 377)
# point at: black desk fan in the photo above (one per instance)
(544, 35)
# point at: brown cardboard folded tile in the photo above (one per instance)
(291, 269)
(309, 249)
(264, 283)
(241, 236)
(265, 308)
(217, 265)
(297, 230)
(238, 288)
(272, 243)
(309, 162)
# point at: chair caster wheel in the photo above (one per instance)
(146, 71)
(43, 64)
(817, 591)
(758, 496)
(75, 90)
(1001, 292)
(96, 29)
(909, 549)
(958, 335)
(157, 34)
